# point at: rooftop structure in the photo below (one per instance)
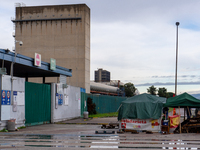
(102, 75)
(61, 32)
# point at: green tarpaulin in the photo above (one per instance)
(182, 100)
(143, 106)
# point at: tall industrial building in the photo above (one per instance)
(102, 75)
(61, 32)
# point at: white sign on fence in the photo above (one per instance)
(66, 99)
(20, 98)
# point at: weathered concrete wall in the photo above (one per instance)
(7, 112)
(71, 103)
(66, 40)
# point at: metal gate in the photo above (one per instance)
(37, 103)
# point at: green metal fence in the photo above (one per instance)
(104, 103)
(38, 103)
(83, 103)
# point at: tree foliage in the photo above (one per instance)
(152, 90)
(170, 94)
(91, 107)
(129, 89)
(162, 92)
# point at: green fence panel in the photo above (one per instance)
(37, 103)
(83, 103)
(104, 103)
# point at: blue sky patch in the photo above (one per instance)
(191, 26)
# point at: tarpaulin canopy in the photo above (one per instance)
(182, 100)
(143, 106)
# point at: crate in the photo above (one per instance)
(165, 122)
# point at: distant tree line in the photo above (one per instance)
(161, 92)
(130, 91)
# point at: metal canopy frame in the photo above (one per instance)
(24, 66)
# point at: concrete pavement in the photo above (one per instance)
(80, 134)
(88, 126)
(92, 121)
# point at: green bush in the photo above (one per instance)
(4, 130)
(22, 127)
(91, 106)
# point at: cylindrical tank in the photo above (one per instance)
(11, 125)
(85, 114)
(104, 88)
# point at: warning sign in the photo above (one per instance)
(8, 94)
(60, 99)
(3, 94)
(5, 97)
(37, 60)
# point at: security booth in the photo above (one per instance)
(23, 102)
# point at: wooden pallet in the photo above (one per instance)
(111, 125)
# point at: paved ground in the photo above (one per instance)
(88, 126)
(80, 134)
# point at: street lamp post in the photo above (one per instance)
(177, 24)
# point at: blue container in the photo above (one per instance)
(165, 122)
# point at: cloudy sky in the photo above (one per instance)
(135, 39)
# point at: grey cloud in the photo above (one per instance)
(154, 76)
(168, 83)
(162, 76)
(167, 76)
(114, 10)
(182, 76)
(192, 76)
(196, 96)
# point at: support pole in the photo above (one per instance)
(184, 113)
(179, 119)
(188, 111)
(43, 80)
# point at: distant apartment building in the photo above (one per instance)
(102, 75)
(61, 32)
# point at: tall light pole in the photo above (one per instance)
(177, 24)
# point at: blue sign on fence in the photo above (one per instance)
(14, 92)
(60, 99)
(5, 97)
